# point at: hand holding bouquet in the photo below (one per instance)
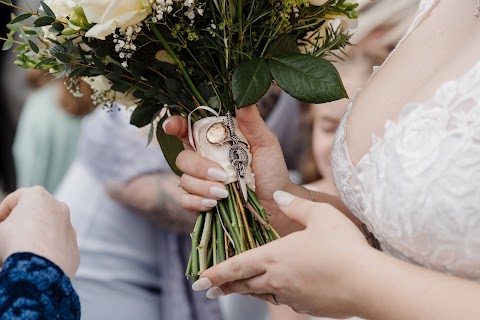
(201, 59)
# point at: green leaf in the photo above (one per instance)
(98, 63)
(78, 71)
(44, 62)
(7, 45)
(47, 9)
(20, 48)
(307, 78)
(57, 26)
(62, 57)
(21, 18)
(31, 32)
(120, 87)
(143, 114)
(173, 85)
(114, 75)
(284, 44)
(34, 46)
(43, 21)
(171, 147)
(251, 80)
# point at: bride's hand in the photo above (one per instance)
(313, 270)
(202, 176)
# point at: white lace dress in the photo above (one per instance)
(418, 188)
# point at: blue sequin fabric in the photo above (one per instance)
(33, 288)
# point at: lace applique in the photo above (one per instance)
(418, 188)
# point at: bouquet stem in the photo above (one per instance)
(229, 229)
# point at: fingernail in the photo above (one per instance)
(219, 192)
(214, 293)
(202, 284)
(164, 124)
(217, 174)
(283, 198)
(209, 203)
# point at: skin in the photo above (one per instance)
(31, 220)
(156, 198)
(335, 273)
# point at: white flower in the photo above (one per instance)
(61, 8)
(109, 15)
(102, 84)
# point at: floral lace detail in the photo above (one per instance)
(418, 188)
(33, 288)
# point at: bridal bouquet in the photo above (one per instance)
(201, 59)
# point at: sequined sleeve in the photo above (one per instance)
(33, 288)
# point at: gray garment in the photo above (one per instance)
(129, 269)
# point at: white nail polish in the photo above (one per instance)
(283, 198)
(219, 192)
(164, 124)
(214, 293)
(209, 203)
(217, 174)
(202, 284)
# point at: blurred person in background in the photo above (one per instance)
(380, 26)
(48, 129)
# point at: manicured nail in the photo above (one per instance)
(164, 124)
(214, 293)
(202, 284)
(283, 198)
(217, 174)
(219, 192)
(209, 203)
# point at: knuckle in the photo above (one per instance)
(237, 269)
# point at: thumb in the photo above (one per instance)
(177, 126)
(253, 126)
(295, 208)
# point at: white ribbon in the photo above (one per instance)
(197, 136)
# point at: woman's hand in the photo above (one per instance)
(31, 220)
(203, 178)
(310, 270)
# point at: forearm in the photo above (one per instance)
(389, 289)
(166, 211)
(32, 287)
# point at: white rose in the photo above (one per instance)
(61, 8)
(109, 15)
(102, 84)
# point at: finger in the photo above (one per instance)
(9, 203)
(195, 165)
(194, 203)
(243, 266)
(253, 126)
(117, 191)
(254, 285)
(295, 208)
(203, 188)
(177, 126)
(266, 297)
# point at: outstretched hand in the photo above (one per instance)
(310, 270)
(203, 178)
(31, 220)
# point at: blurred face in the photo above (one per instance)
(326, 117)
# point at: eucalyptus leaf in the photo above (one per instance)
(307, 78)
(7, 45)
(143, 114)
(120, 87)
(44, 62)
(251, 80)
(62, 57)
(171, 147)
(34, 46)
(21, 18)
(43, 21)
(47, 9)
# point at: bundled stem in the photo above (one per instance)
(233, 227)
